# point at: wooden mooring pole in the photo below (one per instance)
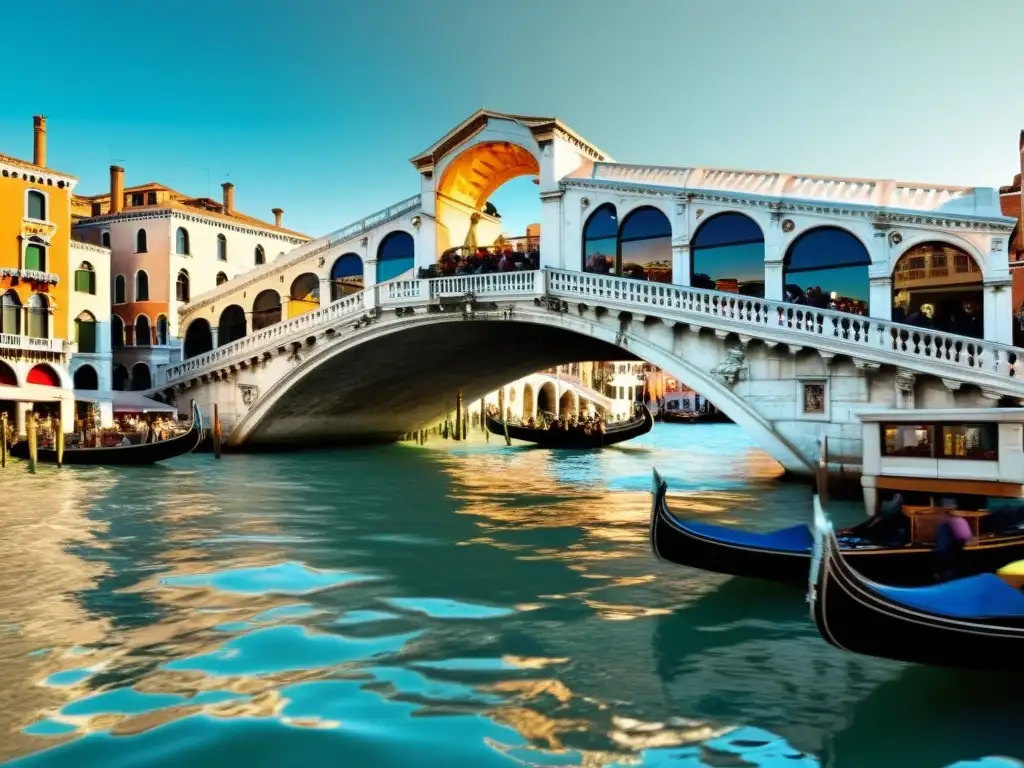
(58, 440)
(33, 445)
(458, 416)
(3, 440)
(216, 433)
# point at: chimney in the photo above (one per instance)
(39, 141)
(278, 213)
(116, 189)
(229, 197)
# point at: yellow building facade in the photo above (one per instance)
(35, 241)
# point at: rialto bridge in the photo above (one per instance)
(789, 301)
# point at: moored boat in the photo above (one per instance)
(123, 455)
(971, 623)
(554, 437)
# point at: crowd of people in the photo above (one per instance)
(482, 261)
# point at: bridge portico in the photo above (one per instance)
(787, 300)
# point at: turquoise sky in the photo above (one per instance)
(317, 106)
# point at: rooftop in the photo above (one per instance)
(13, 161)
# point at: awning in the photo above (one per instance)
(136, 402)
(35, 393)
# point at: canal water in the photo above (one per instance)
(449, 605)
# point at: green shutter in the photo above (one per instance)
(35, 258)
(86, 333)
(84, 281)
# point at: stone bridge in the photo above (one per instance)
(388, 360)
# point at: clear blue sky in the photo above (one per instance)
(316, 106)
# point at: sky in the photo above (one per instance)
(316, 106)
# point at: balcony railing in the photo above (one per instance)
(31, 343)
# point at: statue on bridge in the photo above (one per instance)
(729, 369)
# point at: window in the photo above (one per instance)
(727, 254)
(116, 333)
(137, 198)
(35, 257)
(161, 330)
(10, 316)
(151, 198)
(979, 442)
(97, 209)
(38, 317)
(907, 440)
(141, 286)
(85, 333)
(346, 276)
(181, 242)
(181, 287)
(645, 246)
(119, 289)
(222, 248)
(105, 239)
(35, 205)
(143, 335)
(827, 268)
(221, 278)
(85, 278)
(935, 285)
(599, 241)
(260, 256)
(140, 241)
(395, 255)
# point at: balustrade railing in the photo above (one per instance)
(815, 324)
(31, 343)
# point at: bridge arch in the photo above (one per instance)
(645, 245)
(568, 403)
(198, 338)
(231, 326)
(395, 254)
(827, 267)
(547, 398)
(727, 250)
(600, 240)
(529, 407)
(346, 275)
(266, 309)
(475, 173)
(941, 285)
(327, 388)
(304, 295)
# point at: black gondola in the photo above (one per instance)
(572, 438)
(123, 455)
(971, 623)
(785, 555)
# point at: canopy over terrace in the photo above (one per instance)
(125, 402)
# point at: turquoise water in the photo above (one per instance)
(448, 605)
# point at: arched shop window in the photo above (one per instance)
(827, 268)
(937, 285)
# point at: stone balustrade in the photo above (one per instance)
(31, 343)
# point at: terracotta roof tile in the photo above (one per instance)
(30, 167)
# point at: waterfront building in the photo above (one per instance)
(165, 248)
(1011, 200)
(49, 290)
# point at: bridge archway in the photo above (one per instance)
(266, 309)
(231, 326)
(827, 267)
(645, 245)
(304, 295)
(346, 276)
(547, 400)
(939, 285)
(727, 254)
(568, 403)
(528, 404)
(198, 338)
(395, 254)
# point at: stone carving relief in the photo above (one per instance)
(729, 369)
(250, 394)
(814, 398)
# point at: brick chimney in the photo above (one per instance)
(278, 213)
(229, 197)
(116, 189)
(39, 141)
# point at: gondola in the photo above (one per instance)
(971, 623)
(785, 555)
(679, 417)
(556, 438)
(123, 455)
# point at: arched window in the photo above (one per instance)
(119, 289)
(7, 375)
(600, 240)
(395, 255)
(198, 338)
(141, 245)
(221, 278)
(143, 334)
(116, 333)
(35, 255)
(259, 257)
(120, 378)
(105, 239)
(38, 316)
(10, 313)
(181, 244)
(141, 379)
(346, 276)
(35, 205)
(85, 333)
(727, 254)
(645, 246)
(85, 278)
(222, 248)
(937, 285)
(181, 286)
(827, 268)
(231, 326)
(266, 309)
(86, 378)
(162, 331)
(304, 295)
(141, 286)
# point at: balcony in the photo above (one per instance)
(12, 341)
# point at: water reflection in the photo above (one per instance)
(473, 601)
